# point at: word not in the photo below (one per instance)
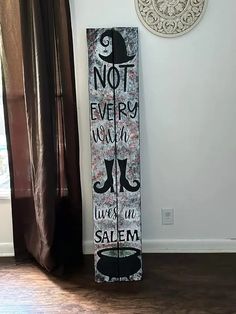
(106, 111)
(113, 76)
(119, 236)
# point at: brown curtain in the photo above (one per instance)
(42, 130)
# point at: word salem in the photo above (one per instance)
(119, 236)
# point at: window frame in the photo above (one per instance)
(5, 194)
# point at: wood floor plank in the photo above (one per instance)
(172, 284)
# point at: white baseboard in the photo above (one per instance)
(6, 249)
(180, 246)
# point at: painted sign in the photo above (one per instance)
(114, 115)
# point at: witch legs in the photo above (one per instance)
(124, 183)
(109, 183)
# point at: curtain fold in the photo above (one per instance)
(42, 130)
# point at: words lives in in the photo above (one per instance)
(116, 78)
(113, 236)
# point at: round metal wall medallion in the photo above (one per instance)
(170, 18)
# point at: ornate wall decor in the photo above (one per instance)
(114, 116)
(170, 18)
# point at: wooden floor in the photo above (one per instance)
(173, 283)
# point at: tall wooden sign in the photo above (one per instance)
(114, 114)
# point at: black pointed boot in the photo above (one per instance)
(108, 184)
(124, 183)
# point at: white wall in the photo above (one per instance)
(188, 125)
(188, 142)
(6, 237)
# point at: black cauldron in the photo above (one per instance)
(119, 262)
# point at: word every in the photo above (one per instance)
(119, 236)
(107, 111)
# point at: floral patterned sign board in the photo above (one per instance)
(114, 114)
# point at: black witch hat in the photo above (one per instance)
(119, 51)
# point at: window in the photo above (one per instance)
(4, 169)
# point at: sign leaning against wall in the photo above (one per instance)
(114, 120)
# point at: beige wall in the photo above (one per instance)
(6, 246)
(188, 114)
